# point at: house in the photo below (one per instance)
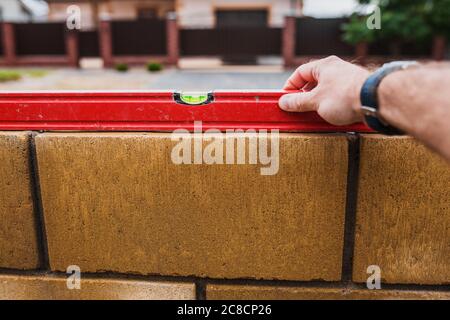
(191, 13)
(329, 8)
(218, 13)
(23, 10)
(93, 10)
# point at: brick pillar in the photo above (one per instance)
(289, 38)
(105, 38)
(439, 46)
(9, 43)
(173, 42)
(72, 48)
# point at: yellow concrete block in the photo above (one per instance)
(403, 212)
(116, 201)
(241, 292)
(14, 287)
(18, 235)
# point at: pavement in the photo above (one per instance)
(221, 79)
(227, 77)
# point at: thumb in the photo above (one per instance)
(298, 102)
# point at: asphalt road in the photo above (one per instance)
(210, 80)
(139, 79)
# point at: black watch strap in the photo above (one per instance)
(369, 97)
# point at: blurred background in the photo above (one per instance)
(205, 44)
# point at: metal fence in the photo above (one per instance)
(40, 38)
(231, 41)
(139, 37)
(136, 39)
(88, 44)
(321, 37)
(412, 49)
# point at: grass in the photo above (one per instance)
(35, 73)
(9, 75)
(17, 74)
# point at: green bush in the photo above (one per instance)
(122, 67)
(7, 75)
(154, 66)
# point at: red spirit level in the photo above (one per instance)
(155, 111)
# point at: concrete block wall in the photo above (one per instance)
(141, 227)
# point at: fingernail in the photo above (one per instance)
(284, 102)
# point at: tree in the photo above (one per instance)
(356, 31)
(437, 13)
(401, 22)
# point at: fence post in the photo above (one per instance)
(289, 39)
(9, 43)
(72, 48)
(173, 39)
(439, 45)
(105, 45)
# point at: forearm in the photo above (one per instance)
(418, 102)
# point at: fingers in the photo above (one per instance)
(298, 102)
(302, 76)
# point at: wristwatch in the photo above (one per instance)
(369, 97)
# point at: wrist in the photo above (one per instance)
(395, 107)
(356, 105)
(386, 92)
(370, 100)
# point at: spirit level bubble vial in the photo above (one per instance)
(193, 98)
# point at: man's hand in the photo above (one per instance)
(416, 100)
(329, 86)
